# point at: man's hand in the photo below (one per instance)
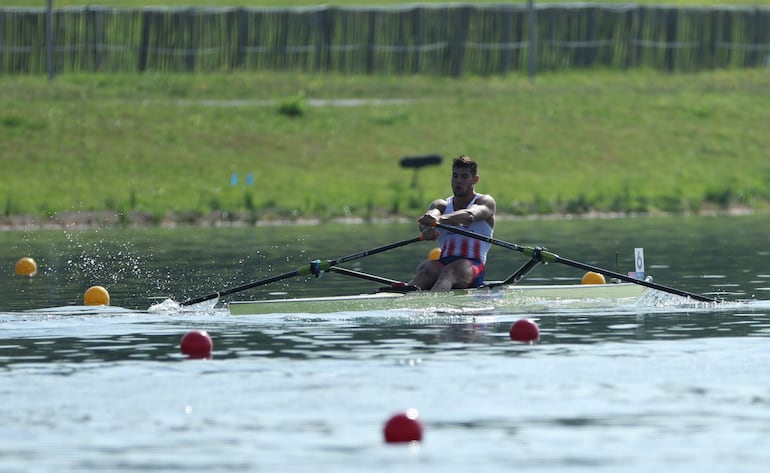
(428, 225)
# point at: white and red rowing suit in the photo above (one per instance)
(454, 246)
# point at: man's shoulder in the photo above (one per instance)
(485, 199)
(439, 204)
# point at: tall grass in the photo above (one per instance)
(569, 142)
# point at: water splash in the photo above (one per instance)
(167, 306)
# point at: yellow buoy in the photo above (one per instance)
(434, 254)
(96, 295)
(593, 278)
(26, 267)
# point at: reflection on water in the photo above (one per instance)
(36, 337)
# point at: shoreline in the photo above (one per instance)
(89, 220)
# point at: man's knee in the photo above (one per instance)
(461, 273)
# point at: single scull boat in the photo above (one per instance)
(508, 293)
(487, 298)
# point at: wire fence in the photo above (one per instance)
(448, 39)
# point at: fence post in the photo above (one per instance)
(420, 26)
(187, 22)
(672, 38)
(589, 54)
(243, 36)
(505, 52)
(532, 38)
(371, 42)
(324, 21)
(94, 34)
(458, 43)
(143, 41)
(49, 58)
(630, 31)
(756, 57)
(2, 50)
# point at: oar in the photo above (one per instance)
(314, 267)
(360, 275)
(549, 257)
(525, 269)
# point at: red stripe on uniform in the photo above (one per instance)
(464, 248)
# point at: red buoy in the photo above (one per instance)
(404, 427)
(525, 330)
(197, 344)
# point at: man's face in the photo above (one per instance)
(463, 182)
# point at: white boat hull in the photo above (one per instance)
(467, 299)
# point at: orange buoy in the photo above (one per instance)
(593, 278)
(96, 295)
(26, 266)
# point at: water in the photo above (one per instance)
(680, 387)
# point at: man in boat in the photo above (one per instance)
(462, 260)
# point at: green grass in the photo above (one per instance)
(344, 3)
(607, 141)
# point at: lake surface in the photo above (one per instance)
(674, 386)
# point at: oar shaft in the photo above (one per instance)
(641, 282)
(549, 257)
(511, 246)
(243, 287)
(374, 251)
(360, 275)
(310, 268)
(525, 269)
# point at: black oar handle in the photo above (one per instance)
(550, 257)
(314, 267)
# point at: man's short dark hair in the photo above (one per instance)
(466, 162)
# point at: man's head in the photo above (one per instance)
(465, 162)
(464, 176)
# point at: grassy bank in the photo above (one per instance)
(575, 142)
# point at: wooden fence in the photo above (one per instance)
(451, 39)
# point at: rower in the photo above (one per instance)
(463, 259)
